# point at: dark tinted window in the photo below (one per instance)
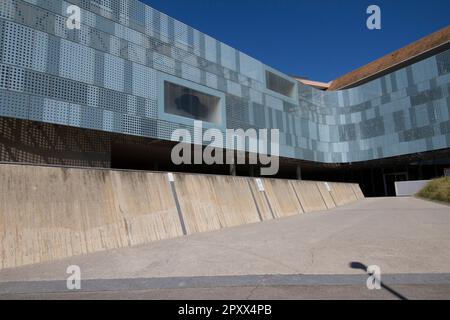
(186, 102)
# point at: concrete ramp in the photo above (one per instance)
(48, 213)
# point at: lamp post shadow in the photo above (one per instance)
(363, 267)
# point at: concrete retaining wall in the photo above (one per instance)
(48, 213)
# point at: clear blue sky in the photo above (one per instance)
(319, 39)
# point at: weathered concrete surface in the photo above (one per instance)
(342, 193)
(310, 196)
(401, 235)
(210, 202)
(49, 213)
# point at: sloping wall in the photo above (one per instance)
(48, 213)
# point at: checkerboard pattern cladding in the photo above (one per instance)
(110, 74)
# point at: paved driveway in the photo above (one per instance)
(400, 235)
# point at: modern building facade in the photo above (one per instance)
(111, 93)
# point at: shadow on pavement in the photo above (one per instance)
(362, 266)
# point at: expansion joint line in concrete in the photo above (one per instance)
(332, 198)
(321, 194)
(354, 192)
(268, 203)
(296, 194)
(177, 204)
(254, 200)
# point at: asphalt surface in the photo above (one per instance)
(271, 287)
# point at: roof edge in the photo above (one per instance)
(416, 51)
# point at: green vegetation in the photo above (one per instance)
(438, 189)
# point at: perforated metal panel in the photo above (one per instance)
(145, 82)
(107, 76)
(76, 62)
(18, 45)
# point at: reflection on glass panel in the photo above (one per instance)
(186, 102)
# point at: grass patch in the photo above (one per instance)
(437, 189)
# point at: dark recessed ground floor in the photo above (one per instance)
(23, 141)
